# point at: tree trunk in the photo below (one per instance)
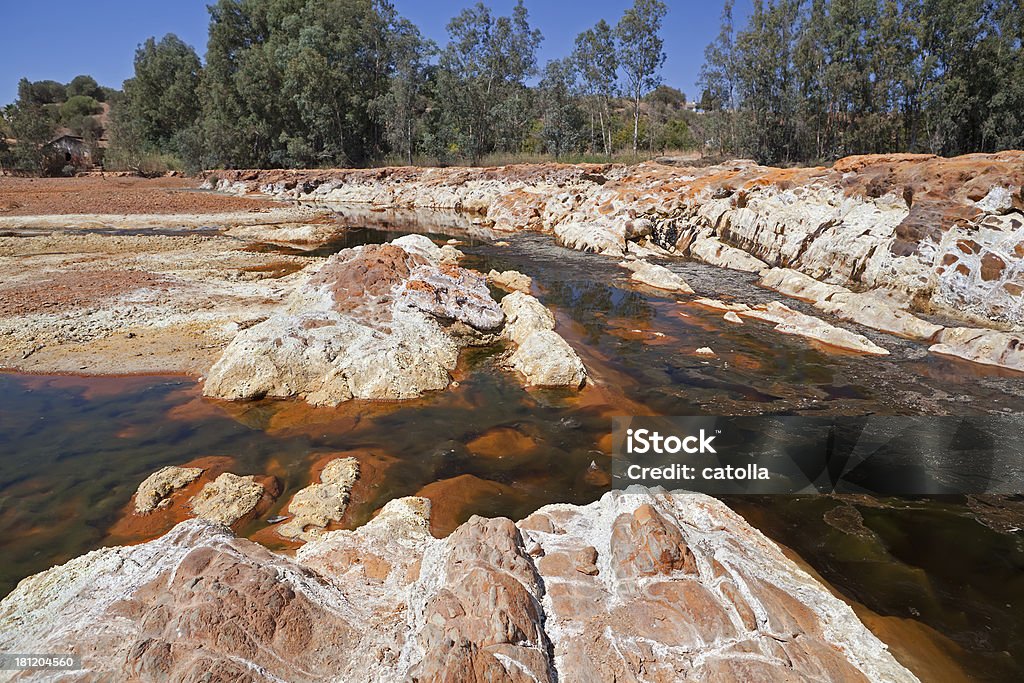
(636, 122)
(604, 137)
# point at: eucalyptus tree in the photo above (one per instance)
(561, 117)
(402, 107)
(161, 99)
(719, 82)
(641, 52)
(482, 79)
(595, 60)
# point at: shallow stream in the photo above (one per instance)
(941, 575)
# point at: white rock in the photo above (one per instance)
(227, 499)
(524, 315)
(989, 347)
(547, 360)
(788, 321)
(998, 200)
(712, 251)
(659, 277)
(510, 280)
(158, 485)
(731, 317)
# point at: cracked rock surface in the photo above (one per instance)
(637, 586)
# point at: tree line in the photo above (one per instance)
(821, 79)
(306, 83)
(315, 83)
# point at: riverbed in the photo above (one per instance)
(77, 447)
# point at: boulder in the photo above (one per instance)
(547, 360)
(510, 280)
(524, 315)
(378, 322)
(157, 486)
(317, 505)
(227, 499)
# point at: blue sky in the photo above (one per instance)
(99, 37)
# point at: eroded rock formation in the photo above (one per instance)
(381, 321)
(913, 232)
(637, 586)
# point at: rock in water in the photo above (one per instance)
(542, 356)
(547, 360)
(638, 586)
(788, 321)
(161, 483)
(656, 276)
(524, 315)
(511, 280)
(871, 309)
(731, 317)
(317, 505)
(227, 499)
(375, 322)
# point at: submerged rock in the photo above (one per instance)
(317, 505)
(157, 486)
(227, 499)
(639, 585)
(656, 276)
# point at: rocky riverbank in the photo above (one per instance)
(636, 586)
(899, 234)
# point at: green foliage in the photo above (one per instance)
(485, 104)
(85, 86)
(79, 106)
(595, 59)
(159, 102)
(40, 92)
(561, 118)
(32, 128)
(820, 79)
(641, 52)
